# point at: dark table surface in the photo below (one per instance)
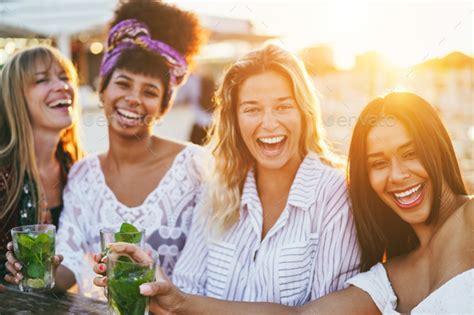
(15, 302)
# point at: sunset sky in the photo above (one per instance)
(406, 32)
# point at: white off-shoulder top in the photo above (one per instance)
(454, 297)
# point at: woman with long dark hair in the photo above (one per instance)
(413, 215)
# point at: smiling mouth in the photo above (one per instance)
(271, 146)
(129, 114)
(128, 118)
(411, 197)
(62, 103)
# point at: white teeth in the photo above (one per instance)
(272, 140)
(408, 192)
(129, 114)
(65, 101)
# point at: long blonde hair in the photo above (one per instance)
(16, 136)
(231, 158)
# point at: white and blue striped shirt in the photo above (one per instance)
(310, 251)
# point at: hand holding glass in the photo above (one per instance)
(34, 247)
(125, 275)
(125, 233)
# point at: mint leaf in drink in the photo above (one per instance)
(128, 234)
(35, 251)
(128, 228)
(25, 240)
(123, 288)
(35, 270)
(42, 238)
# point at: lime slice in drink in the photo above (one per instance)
(35, 283)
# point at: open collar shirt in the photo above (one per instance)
(310, 251)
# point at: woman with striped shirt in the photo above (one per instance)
(279, 226)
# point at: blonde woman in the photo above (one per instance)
(279, 227)
(38, 139)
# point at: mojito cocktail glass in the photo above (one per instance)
(124, 277)
(34, 247)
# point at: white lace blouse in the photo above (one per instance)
(89, 205)
(454, 297)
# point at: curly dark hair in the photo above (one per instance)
(167, 23)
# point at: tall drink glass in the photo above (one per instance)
(34, 247)
(124, 277)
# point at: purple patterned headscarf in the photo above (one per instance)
(130, 34)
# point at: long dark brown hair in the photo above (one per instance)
(380, 230)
